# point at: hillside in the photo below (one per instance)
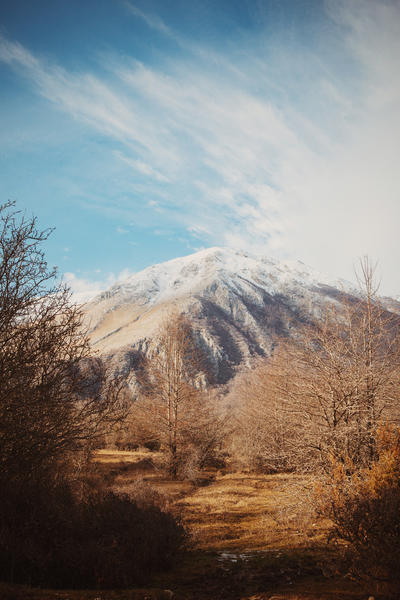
(239, 305)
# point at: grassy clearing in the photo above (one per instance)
(227, 511)
(253, 537)
(248, 513)
(122, 469)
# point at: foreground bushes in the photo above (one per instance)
(49, 537)
(364, 506)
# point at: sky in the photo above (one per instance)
(145, 130)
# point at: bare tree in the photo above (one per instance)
(323, 393)
(263, 438)
(206, 425)
(55, 397)
(174, 407)
(340, 377)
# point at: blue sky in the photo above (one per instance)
(146, 130)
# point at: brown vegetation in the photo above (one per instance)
(317, 406)
(365, 507)
(265, 434)
(323, 394)
(56, 402)
(173, 408)
(251, 535)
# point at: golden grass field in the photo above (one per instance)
(228, 511)
(252, 537)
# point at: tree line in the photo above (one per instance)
(327, 403)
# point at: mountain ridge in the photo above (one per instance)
(237, 302)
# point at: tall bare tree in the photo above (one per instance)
(54, 396)
(174, 407)
(341, 375)
(323, 393)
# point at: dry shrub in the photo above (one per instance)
(144, 494)
(364, 506)
(49, 537)
(190, 464)
(295, 509)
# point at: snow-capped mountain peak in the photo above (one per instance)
(239, 304)
(190, 274)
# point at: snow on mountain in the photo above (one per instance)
(187, 275)
(238, 304)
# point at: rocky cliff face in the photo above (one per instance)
(239, 305)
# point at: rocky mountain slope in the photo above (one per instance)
(238, 304)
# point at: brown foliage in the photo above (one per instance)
(323, 392)
(173, 407)
(364, 506)
(264, 437)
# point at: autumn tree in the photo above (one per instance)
(174, 407)
(340, 376)
(364, 506)
(264, 432)
(55, 398)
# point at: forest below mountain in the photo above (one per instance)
(163, 480)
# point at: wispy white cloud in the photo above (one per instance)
(142, 167)
(152, 20)
(94, 102)
(285, 154)
(84, 289)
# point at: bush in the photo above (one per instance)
(364, 506)
(143, 494)
(48, 537)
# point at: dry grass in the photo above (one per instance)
(248, 532)
(248, 513)
(115, 457)
(233, 511)
(122, 468)
(253, 537)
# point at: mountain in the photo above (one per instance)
(238, 304)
